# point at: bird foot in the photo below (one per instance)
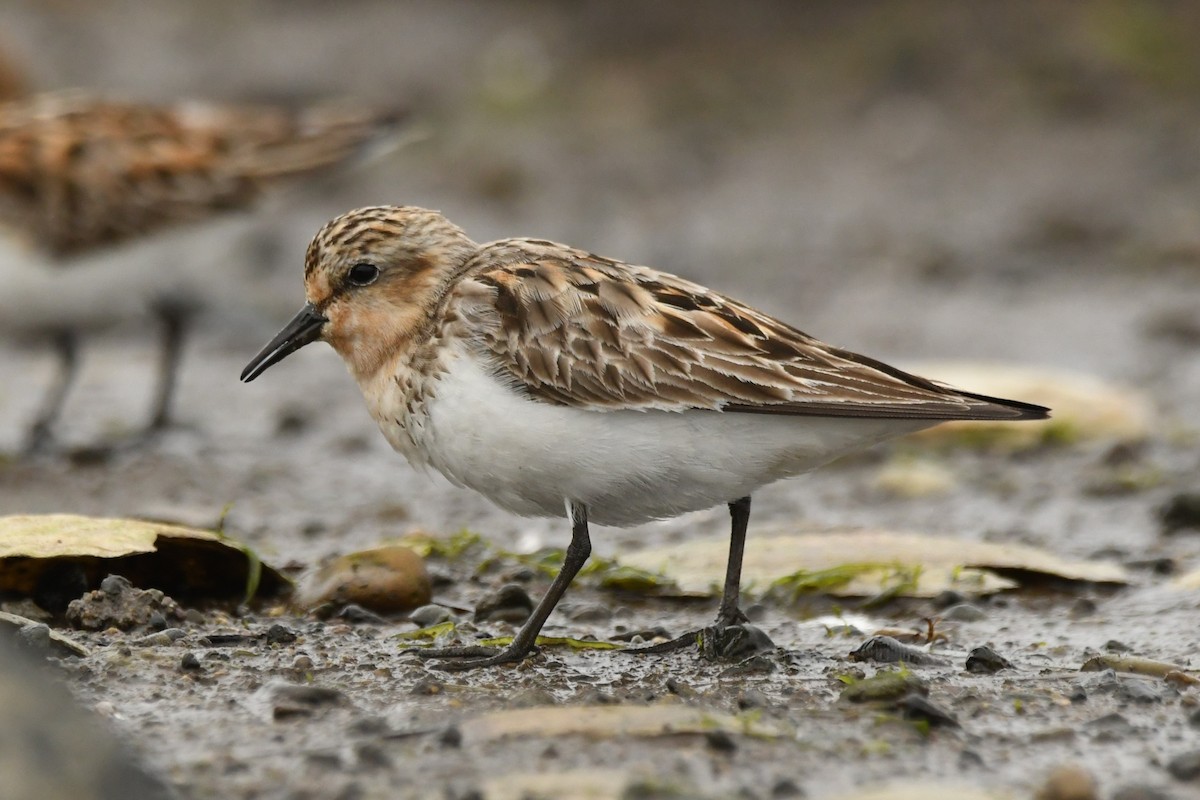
(718, 642)
(475, 657)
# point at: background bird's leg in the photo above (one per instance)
(41, 434)
(173, 316)
(729, 613)
(526, 640)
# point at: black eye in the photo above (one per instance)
(362, 274)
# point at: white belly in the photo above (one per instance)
(627, 467)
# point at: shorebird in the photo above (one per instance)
(79, 174)
(560, 383)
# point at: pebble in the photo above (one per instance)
(297, 700)
(163, 638)
(1181, 512)
(985, 660)
(886, 650)
(947, 598)
(964, 612)
(190, 663)
(1194, 719)
(785, 788)
(35, 636)
(1114, 646)
(429, 615)
(383, 580)
(720, 741)
(450, 737)
(1111, 727)
(509, 603)
(916, 706)
(1185, 766)
(280, 634)
(1068, 782)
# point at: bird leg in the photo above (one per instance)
(730, 634)
(41, 433)
(525, 641)
(173, 316)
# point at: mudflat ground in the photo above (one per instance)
(913, 181)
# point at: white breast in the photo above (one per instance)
(627, 467)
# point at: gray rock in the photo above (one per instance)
(1185, 766)
(964, 612)
(510, 603)
(49, 747)
(430, 615)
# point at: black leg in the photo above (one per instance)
(41, 434)
(729, 613)
(174, 318)
(526, 640)
(730, 635)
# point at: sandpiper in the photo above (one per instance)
(559, 383)
(79, 173)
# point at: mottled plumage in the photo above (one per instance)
(77, 171)
(558, 382)
(80, 173)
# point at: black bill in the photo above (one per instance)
(304, 328)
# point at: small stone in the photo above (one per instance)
(193, 616)
(353, 612)
(751, 698)
(371, 755)
(383, 580)
(190, 663)
(884, 685)
(429, 615)
(1194, 719)
(279, 634)
(1185, 767)
(916, 706)
(589, 612)
(157, 621)
(427, 687)
(163, 638)
(1111, 727)
(1137, 691)
(300, 700)
(1083, 607)
(114, 585)
(450, 737)
(985, 660)
(886, 650)
(510, 603)
(1078, 694)
(785, 788)
(1181, 512)
(964, 612)
(35, 636)
(1068, 782)
(302, 663)
(720, 740)
(947, 598)
(1113, 646)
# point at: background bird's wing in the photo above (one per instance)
(77, 172)
(570, 328)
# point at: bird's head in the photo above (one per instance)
(371, 278)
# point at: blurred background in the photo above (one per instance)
(916, 179)
(1012, 182)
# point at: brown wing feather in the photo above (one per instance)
(571, 328)
(77, 172)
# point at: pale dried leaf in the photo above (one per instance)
(1081, 406)
(929, 564)
(604, 722)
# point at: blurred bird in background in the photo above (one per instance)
(81, 175)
